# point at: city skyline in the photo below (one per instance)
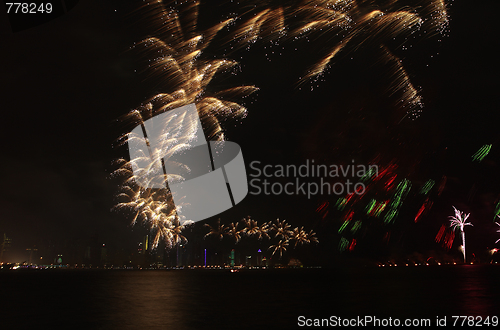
(73, 78)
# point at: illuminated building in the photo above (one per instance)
(231, 258)
(5, 246)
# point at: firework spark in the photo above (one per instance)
(300, 236)
(458, 221)
(372, 25)
(153, 207)
(281, 229)
(262, 231)
(352, 26)
(234, 232)
(218, 231)
(280, 247)
(251, 226)
(175, 60)
(384, 198)
(174, 50)
(481, 153)
(498, 231)
(266, 24)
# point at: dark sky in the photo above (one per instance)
(66, 82)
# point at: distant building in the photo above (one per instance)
(59, 259)
(30, 256)
(6, 243)
(294, 263)
(144, 246)
(87, 254)
(231, 258)
(104, 255)
(248, 261)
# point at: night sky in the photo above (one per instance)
(65, 84)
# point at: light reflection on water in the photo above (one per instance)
(198, 299)
(478, 290)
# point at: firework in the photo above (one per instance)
(424, 208)
(447, 238)
(343, 244)
(171, 233)
(497, 210)
(281, 229)
(155, 208)
(262, 231)
(383, 200)
(481, 153)
(234, 232)
(175, 55)
(253, 229)
(175, 60)
(311, 237)
(397, 201)
(266, 24)
(458, 221)
(352, 26)
(427, 187)
(280, 247)
(299, 235)
(218, 231)
(346, 26)
(284, 236)
(498, 231)
(440, 233)
(251, 226)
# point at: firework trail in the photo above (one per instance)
(498, 231)
(175, 59)
(381, 202)
(345, 26)
(300, 236)
(284, 236)
(281, 229)
(155, 208)
(482, 153)
(497, 210)
(446, 237)
(345, 244)
(234, 232)
(440, 233)
(251, 227)
(262, 231)
(266, 24)
(458, 221)
(352, 26)
(219, 230)
(174, 51)
(280, 247)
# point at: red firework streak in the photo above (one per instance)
(424, 208)
(447, 238)
(352, 245)
(323, 209)
(441, 185)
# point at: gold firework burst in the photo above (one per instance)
(175, 53)
(350, 26)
